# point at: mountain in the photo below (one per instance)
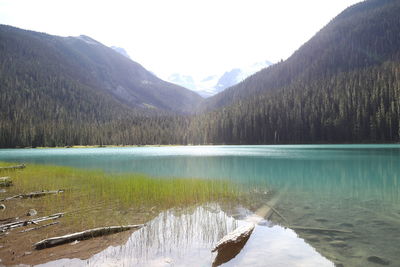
(235, 76)
(91, 66)
(67, 90)
(186, 81)
(343, 85)
(213, 84)
(121, 51)
(363, 35)
(206, 85)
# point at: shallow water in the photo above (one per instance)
(186, 238)
(350, 187)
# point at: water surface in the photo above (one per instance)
(351, 187)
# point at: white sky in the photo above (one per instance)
(189, 37)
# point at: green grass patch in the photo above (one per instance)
(94, 198)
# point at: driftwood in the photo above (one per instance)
(9, 220)
(13, 225)
(234, 237)
(39, 227)
(59, 240)
(21, 166)
(5, 181)
(279, 214)
(267, 210)
(231, 244)
(316, 229)
(33, 194)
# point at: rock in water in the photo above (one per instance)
(378, 260)
(2, 207)
(231, 244)
(31, 212)
(234, 237)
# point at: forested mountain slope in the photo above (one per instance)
(341, 86)
(35, 62)
(364, 35)
(74, 90)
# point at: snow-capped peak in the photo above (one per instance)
(213, 84)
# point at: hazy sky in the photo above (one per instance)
(190, 37)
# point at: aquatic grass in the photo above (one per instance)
(93, 197)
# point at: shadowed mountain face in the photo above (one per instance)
(341, 86)
(364, 35)
(36, 59)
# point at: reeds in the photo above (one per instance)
(94, 196)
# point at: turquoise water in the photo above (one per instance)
(356, 171)
(350, 187)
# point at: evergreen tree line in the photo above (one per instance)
(359, 106)
(354, 107)
(342, 86)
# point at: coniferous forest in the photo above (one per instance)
(342, 86)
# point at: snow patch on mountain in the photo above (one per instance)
(186, 81)
(216, 83)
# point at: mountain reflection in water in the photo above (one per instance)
(353, 188)
(186, 237)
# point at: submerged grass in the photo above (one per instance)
(94, 198)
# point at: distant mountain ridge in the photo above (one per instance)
(341, 86)
(216, 83)
(74, 90)
(94, 67)
(237, 75)
(321, 55)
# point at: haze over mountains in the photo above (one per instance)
(121, 50)
(343, 85)
(215, 83)
(38, 60)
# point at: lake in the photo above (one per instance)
(354, 188)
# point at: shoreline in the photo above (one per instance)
(198, 145)
(89, 199)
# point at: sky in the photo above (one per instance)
(197, 38)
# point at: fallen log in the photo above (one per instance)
(13, 225)
(234, 237)
(39, 227)
(232, 243)
(9, 220)
(266, 211)
(316, 229)
(5, 181)
(279, 214)
(33, 194)
(59, 240)
(21, 166)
